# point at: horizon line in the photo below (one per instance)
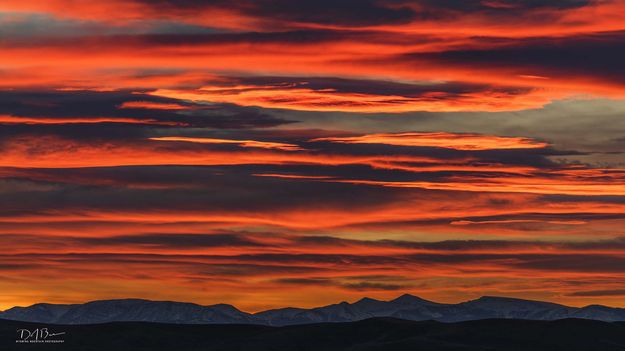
(309, 308)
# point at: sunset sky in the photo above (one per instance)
(275, 153)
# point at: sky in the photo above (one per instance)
(275, 153)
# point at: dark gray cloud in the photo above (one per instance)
(214, 189)
(342, 12)
(294, 36)
(435, 90)
(366, 12)
(176, 241)
(589, 55)
(187, 188)
(572, 263)
(345, 12)
(246, 239)
(501, 5)
(599, 293)
(251, 264)
(87, 105)
(611, 199)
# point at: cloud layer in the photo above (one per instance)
(270, 153)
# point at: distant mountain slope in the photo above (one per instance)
(367, 335)
(406, 307)
(130, 310)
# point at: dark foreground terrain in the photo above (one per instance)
(371, 334)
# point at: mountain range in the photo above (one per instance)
(406, 307)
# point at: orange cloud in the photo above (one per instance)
(9, 119)
(534, 185)
(595, 16)
(37, 152)
(153, 105)
(59, 153)
(332, 100)
(242, 143)
(465, 222)
(195, 63)
(441, 139)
